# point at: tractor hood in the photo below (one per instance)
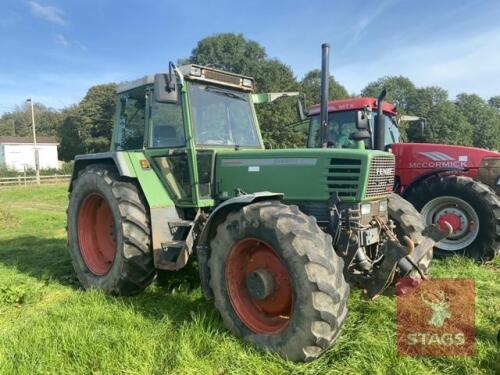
(431, 156)
(305, 174)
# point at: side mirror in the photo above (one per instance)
(422, 127)
(300, 111)
(165, 91)
(362, 121)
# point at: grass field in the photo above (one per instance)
(49, 325)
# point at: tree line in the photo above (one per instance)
(86, 127)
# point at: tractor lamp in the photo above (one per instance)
(366, 208)
(247, 82)
(382, 206)
(195, 71)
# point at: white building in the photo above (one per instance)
(18, 153)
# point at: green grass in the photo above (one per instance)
(49, 325)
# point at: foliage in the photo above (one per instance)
(311, 87)
(446, 124)
(18, 122)
(484, 119)
(400, 91)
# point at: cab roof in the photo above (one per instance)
(353, 104)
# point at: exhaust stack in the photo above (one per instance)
(379, 131)
(325, 80)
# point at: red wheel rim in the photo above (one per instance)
(96, 234)
(268, 315)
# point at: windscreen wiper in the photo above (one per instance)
(225, 93)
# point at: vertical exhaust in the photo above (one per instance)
(325, 80)
(379, 131)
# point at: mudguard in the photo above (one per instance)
(215, 218)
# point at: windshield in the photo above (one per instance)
(222, 117)
(342, 124)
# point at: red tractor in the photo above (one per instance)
(446, 183)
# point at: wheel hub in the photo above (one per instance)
(459, 214)
(260, 284)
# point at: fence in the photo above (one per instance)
(22, 180)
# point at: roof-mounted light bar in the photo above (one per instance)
(205, 74)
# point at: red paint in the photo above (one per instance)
(451, 219)
(416, 159)
(266, 316)
(96, 234)
(354, 104)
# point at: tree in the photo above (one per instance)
(495, 102)
(311, 87)
(400, 91)
(95, 117)
(446, 124)
(87, 127)
(18, 122)
(484, 119)
(420, 104)
(71, 143)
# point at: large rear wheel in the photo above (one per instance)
(470, 207)
(108, 233)
(276, 280)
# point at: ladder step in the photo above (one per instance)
(173, 244)
(180, 223)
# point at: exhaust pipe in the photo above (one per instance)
(325, 80)
(379, 131)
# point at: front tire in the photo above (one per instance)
(471, 207)
(108, 233)
(276, 280)
(409, 222)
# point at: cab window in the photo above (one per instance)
(132, 120)
(167, 128)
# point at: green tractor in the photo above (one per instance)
(277, 233)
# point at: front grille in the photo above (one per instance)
(221, 77)
(343, 177)
(381, 176)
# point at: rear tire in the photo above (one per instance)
(409, 223)
(309, 293)
(112, 254)
(481, 243)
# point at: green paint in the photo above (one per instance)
(153, 188)
(301, 174)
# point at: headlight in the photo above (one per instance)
(195, 71)
(247, 82)
(383, 206)
(366, 208)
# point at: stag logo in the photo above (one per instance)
(439, 306)
(436, 317)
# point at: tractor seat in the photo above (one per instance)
(164, 136)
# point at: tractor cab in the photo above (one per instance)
(342, 115)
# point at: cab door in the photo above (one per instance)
(165, 147)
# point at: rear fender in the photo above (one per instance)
(216, 217)
(162, 209)
(434, 173)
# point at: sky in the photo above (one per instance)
(54, 50)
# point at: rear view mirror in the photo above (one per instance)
(362, 120)
(165, 91)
